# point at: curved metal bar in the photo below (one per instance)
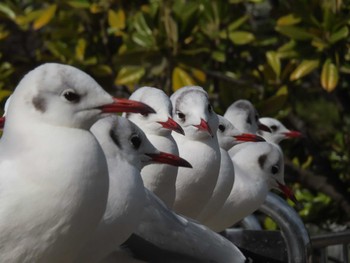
(292, 228)
(250, 222)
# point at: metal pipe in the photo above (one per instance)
(292, 228)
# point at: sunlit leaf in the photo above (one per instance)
(304, 68)
(241, 37)
(339, 35)
(181, 78)
(129, 75)
(329, 76)
(7, 11)
(293, 32)
(274, 61)
(219, 56)
(45, 18)
(116, 19)
(269, 224)
(198, 75)
(80, 49)
(288, 20)
(96, 8)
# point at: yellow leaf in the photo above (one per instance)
(198, 74)
(80, 49)
(274, 61)
(329, 76)
(305, 67)
(116, 19)
(45, 17)
(288, 20)
(129, 75)
(181, 79)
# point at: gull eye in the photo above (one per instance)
(275, 169)
(273, 128)
(181, 116)
(135, 141)
(210, 108)
(144, 115)
(222, 128)
(71, 96)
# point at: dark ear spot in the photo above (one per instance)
(262, 160)
(39, 103)
(115, 139)
(249, 120)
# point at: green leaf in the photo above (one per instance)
(181, 78)
(143, 40)
(241, 37)
(274, 61)
(141, 25)
(339, 35)
(329, 76)
(4, 94)
(129, 75)
(102, 70)
(45, 17)
(269, 224)
(274, 103)
(288, 20)
(293, 32)
(7, 11)
(237, 23)
(79, 4)
(219, 56)
(304, 68)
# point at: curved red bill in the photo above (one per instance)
(249, 137)
(263, 127)
(169, 158)
(2, 122)
(293, 134)
(287, 192)
(204, 127)
(125, 105)
(172, 125)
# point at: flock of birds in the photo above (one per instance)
(81, 184)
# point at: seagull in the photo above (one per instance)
(158, 178)
(243, 115)
(258, 167)
(199, 146)
(278, 131)
(228, 136)
(53, 173)
(127, 150)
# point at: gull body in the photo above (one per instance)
(258, 168)
(53, 174)
(177, 239)
(127, 150)
(158, 178)
(199, 146)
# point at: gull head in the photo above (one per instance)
(193, 111)
(60, 95)
(121, 138)
(160, 122)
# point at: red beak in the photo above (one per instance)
(2, 122)
(169, 158)
(204, 127)
(293, 134)
(249, 137)
(125, 105)
(263, 127)
(287, 192)
(172, 125)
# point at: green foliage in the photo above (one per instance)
(291, 59)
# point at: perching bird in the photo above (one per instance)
(259, 167)
(53, 173)
(127, 150)
(194, 187)
(158, 178)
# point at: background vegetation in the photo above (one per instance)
(290, 58)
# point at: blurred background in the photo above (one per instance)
(290, 58)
